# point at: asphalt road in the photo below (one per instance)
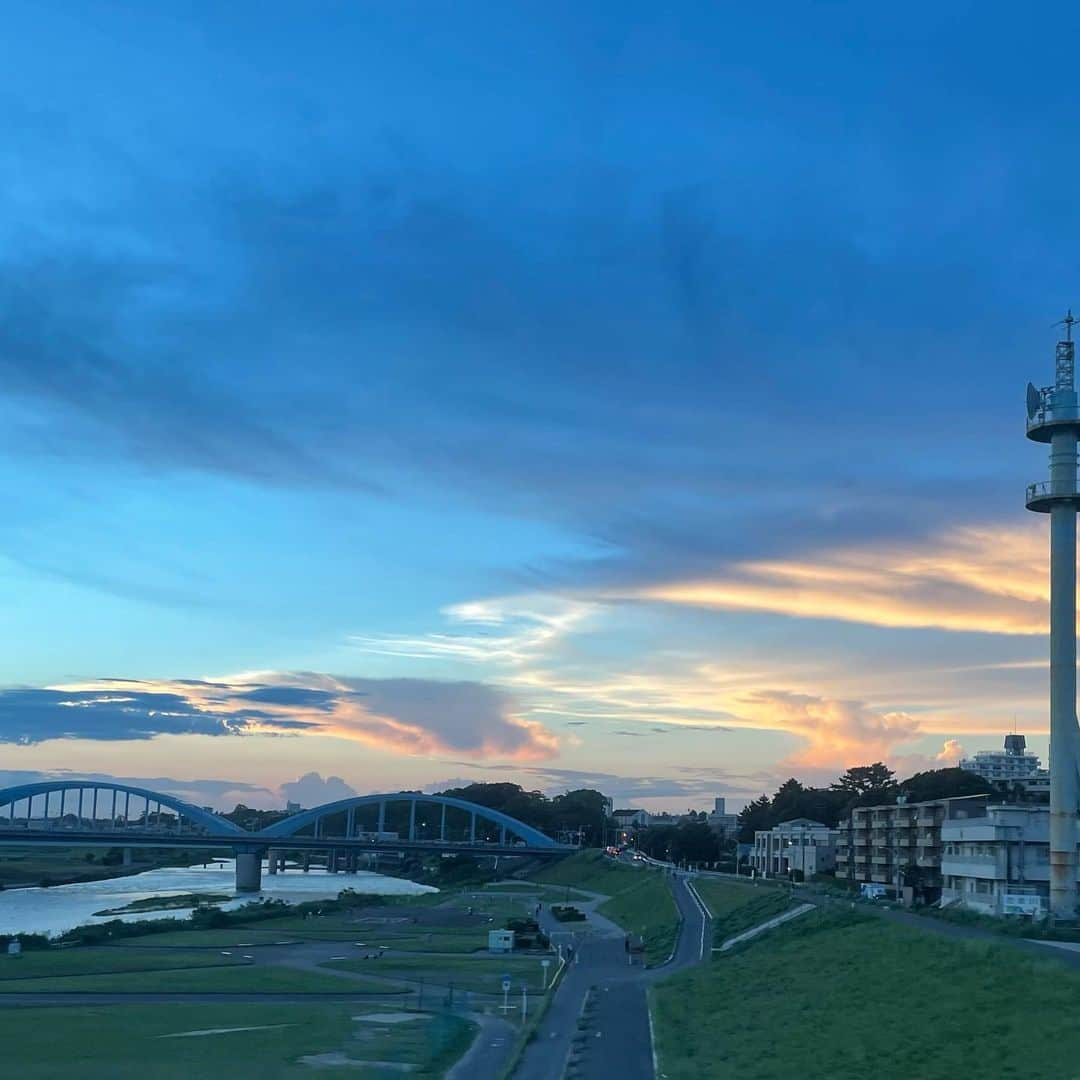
(598, 1024)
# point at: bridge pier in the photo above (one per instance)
(331, 861)
(248, 871)
(307, 861)
(127, 856)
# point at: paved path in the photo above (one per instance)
(598, 1022)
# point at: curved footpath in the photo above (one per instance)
(608, 997)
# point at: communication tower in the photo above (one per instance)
(1053, 418)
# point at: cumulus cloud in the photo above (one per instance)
(951, 753)
(312, 790)
(836, 732)
(414, 716)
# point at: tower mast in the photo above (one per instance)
(1053, 418)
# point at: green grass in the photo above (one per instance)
(242, 978)
(843, 996)
(736, 907)
(480, 974)
(641, 901)
(96, 961)
(124, 1042)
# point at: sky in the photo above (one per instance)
(396, 395)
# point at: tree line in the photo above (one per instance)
(863, 785)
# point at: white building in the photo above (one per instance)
(1010, 765)
(802, 845)
(997, 861)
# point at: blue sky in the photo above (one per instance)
(571, 394)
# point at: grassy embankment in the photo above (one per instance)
(641, 901)
(839, 994)
(736, 907)
(131, 1042)
(61, 866)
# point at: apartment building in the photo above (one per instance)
(801, 845)
(900, 844)
(1013, 767)
(997, 859)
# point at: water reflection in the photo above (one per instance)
(62, 907)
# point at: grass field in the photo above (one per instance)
(132, 1042)
(641, 901)
(839, 995)
(96, 961)
(206, 979)
(480, 974)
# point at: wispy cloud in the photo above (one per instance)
(982, 580)
(511, 630)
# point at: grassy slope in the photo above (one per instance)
(641, 901)
(841, 995)
(736, 907)
(123, 1042)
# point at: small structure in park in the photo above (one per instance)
(500, 941)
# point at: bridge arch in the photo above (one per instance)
(316, 817)
(80, 799)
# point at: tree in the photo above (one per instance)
(862, 779)
(753, 817)
(694, 841)
(944, 784)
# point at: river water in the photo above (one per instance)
(63, 907)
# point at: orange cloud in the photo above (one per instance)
(410, 716)
(836, 732)
(991, 580)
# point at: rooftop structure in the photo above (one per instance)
(1012, 763)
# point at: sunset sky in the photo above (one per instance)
(614, 394)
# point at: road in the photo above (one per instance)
(599, 1019)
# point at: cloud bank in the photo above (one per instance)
(410, 716)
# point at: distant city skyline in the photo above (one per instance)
(603, 396)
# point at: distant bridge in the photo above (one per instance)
(96, 813)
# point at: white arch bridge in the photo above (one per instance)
(96, 813)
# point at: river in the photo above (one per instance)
(62, 907)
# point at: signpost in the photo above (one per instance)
(545, 964)
(524, 1002)
(506, 993)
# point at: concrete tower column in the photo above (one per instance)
(1053, 417)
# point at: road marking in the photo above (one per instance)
(705, 916)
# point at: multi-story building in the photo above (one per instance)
(997, 859)
(801, 845)
(1013, 765)
(899, 844)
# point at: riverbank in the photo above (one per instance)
(408, 975)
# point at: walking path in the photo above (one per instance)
(599, 1018)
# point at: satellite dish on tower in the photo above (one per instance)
(1034, 401)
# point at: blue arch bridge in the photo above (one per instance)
(95, 813)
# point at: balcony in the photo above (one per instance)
(928, 839)
(928, 860)
(882, 857)
(1042, 496)
(861, 841)
(904, 841)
